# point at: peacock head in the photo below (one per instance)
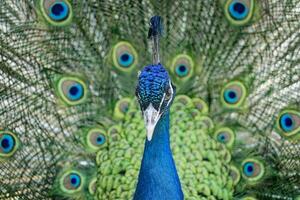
(155, 94)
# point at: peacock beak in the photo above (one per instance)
(151, 117)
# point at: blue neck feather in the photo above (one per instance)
(158, 178)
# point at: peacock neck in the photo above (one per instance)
(158, 178)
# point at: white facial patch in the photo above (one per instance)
(172, 91)
(152, 116)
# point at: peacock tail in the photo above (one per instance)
(71, 127)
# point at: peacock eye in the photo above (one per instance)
(125, 59)
(121, 108)
(100, 139)
(124, 56)
(225, 136)
(57, 12)
(96, 139)
(253, 170)
(239, 12)
(249, 169)
(182, 70)
(71, 182)
(75, 91)
(8, 144)
(72, 90)
(124, 106)
(182, 67)
(233, 94)
(74, 180)
(289, 122)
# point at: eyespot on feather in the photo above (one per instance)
(182, 67)
(96, 139)
(252, 170)
(121, 108)
(56, 12)
(239, 12)
(124, 57)
(9, 144)
(288, 123)
(233, 94)
(225, 136)
(71, 182)
(72, 90)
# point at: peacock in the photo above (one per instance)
(202, 102)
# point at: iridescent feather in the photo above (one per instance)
(70, 124)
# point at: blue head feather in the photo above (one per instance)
(154, 82)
